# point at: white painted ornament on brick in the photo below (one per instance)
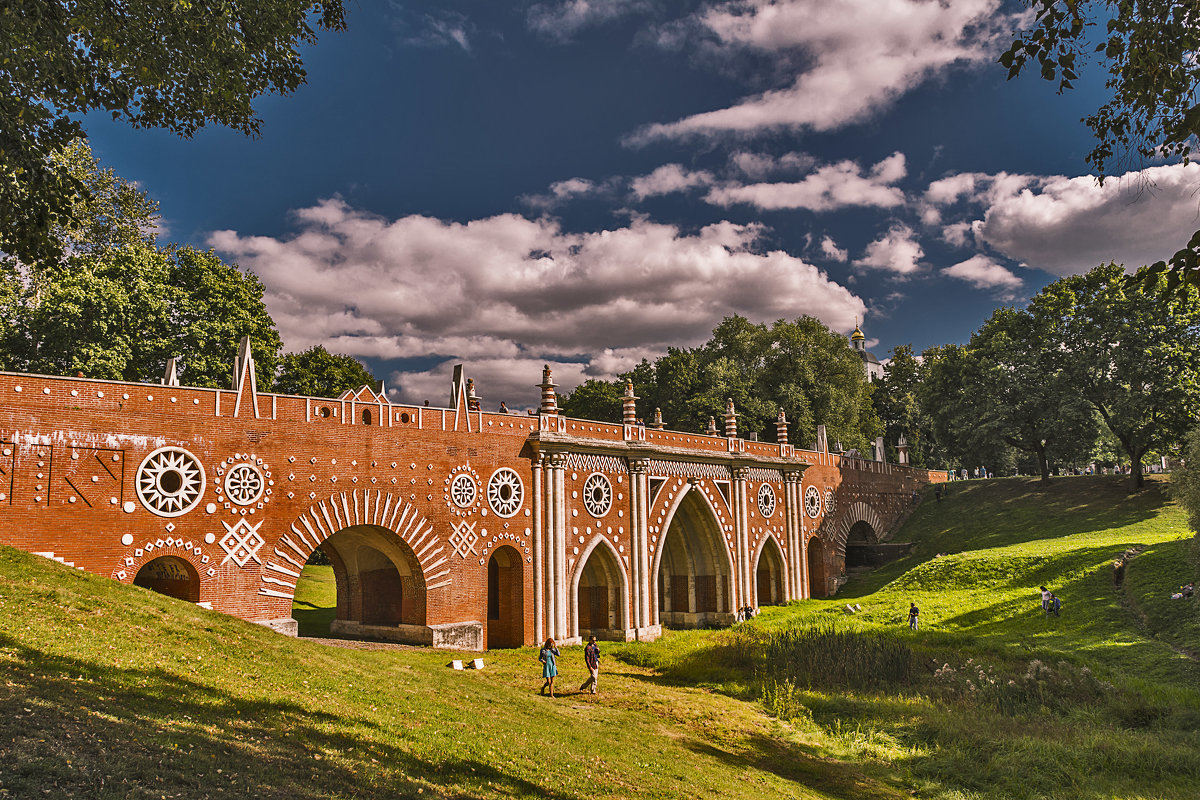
(241, 542)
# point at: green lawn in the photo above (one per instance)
(111, 691)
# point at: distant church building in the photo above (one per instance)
(871, 364)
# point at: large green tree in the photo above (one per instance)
(897, 401)
(316, 372)
(594, 399)
(1150, 50)
(1133, 356)
(118, 304)
(152, 63)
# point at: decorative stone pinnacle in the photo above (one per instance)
(473, 402)
(629, 405)
(658, 423)
(549, 399)
(712, 427)
(730, 419)
(781, 428)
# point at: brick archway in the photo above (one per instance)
(599, 593)
(856, 513)
(692, 570)
(770, 574)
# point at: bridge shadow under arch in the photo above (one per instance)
(172, 576)
(380, 587)
(694, 576)
(601, 594)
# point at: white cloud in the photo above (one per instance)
(829, 187)
(984, 273)
(831, 251)
(562, 191)
(507, 289)
(956, 234)
(857, 57)
(440, 29)
(760, 165)
(1066, 226)
(668, 179)
(896, 251)
(561, 21)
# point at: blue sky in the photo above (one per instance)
(586, 183)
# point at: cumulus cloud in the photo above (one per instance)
(896, 251)
(561, 192)
(1066, 226)
(511, 290)
(857, 57)
(668, 179)
(831, 251)
(440, 29)
(829, 187)
(561, 21)
(984, 273)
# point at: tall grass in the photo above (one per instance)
(822, 657)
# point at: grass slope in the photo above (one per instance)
(111, 691)
(1000, 702)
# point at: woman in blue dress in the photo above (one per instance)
(547, 656)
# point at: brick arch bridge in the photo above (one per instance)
(451, 526)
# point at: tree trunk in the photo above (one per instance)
(1044, 465)
(1135, 472)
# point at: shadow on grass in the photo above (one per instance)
(72, 728)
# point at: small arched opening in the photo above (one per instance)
(505, 599)
(600, 598)
(818, 586)
(172, 576)
(694, 572)
(768, 578)
(366, 416)
(860, 542)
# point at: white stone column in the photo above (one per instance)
(741, 529)
(539, 553)
(798, 562)
(639, 560)
(559, 540)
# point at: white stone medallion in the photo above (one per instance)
(597, 495)
(766, 500)
(812, 501)
(170, 482)
(243, 483)
(461, 491)
(505, 492)
(830, 501)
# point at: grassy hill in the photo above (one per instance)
(111, 691)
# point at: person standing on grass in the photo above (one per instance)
(591, 658)
(1045, 601)
(914, 614)
(547, 656)
(1055, 604)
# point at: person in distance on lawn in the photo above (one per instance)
(1045, 601)
(591, 658)
(547, 656)
(914, 614)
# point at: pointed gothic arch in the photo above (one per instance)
(599, 594)
(692, 570)
(770, 574)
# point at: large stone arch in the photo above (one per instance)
(505, 598)
(600, 567)
(770, 574)
(818, 567)
(385, 556)
(701, 571)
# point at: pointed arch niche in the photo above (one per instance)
(600, 594)
(694, 578)
(769, 575)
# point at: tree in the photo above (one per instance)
(1133, 356)
(1151, 51)
(947, 397)
(1020, 388)
(316, 372)
(118, 305)
(152, 63)
(1185, 480)
(595, 399)
(897, 401)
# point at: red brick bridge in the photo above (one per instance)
(450, 527)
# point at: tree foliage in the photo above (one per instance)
(316, 372)
(1185, 480)
(1133, 356)
(801, 367)
(897, 401)
(118, 304)
(151, 63)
